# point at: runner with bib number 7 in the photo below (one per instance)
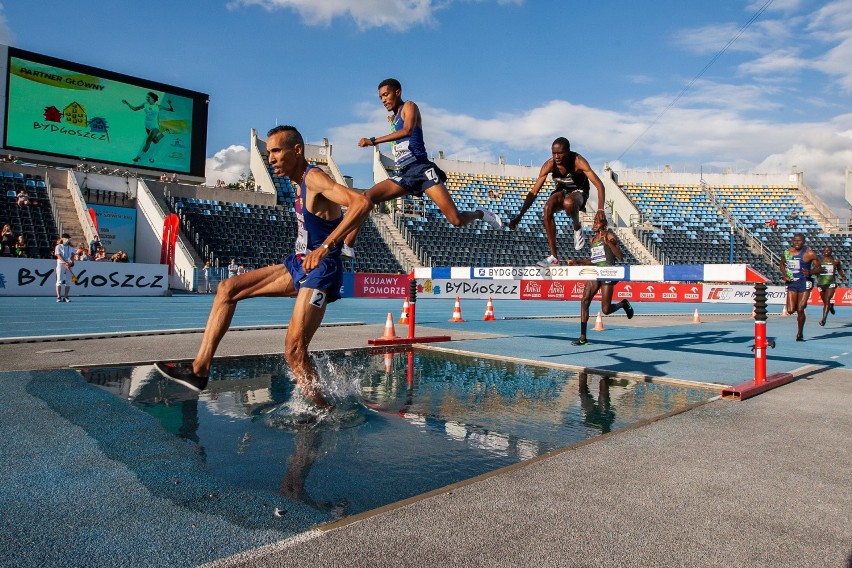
(417, 174)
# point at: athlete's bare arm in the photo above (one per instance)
(581, 164)
(546, 168)
(325, 197)
(612, 242)
(410, 118)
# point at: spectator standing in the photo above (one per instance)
(206, 274)
(64, 254)
(7, 241)
(95, 246)
(233, 268)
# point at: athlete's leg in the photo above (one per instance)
(591, 288)
(268, 281)
(826, 294)
(306, 319)
(551, 206)
(444, 201)
(571, 204)
(801, 304)
(383, 191)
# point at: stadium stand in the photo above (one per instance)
(682, 224)
(437, 243)
(35, 221)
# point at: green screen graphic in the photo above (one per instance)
(86, 117)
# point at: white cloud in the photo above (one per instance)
(395, 14)
(399, 15)
(6, 35)
(227, 165)
(687, 138)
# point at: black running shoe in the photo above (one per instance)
(822, 322)
(831, 308)
(628, 309)
(580, 341)
(182, 374)
(799, 338)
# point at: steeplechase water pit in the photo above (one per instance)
(406, 421)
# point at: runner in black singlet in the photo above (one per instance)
(571, 174)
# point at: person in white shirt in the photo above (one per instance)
(64, 254)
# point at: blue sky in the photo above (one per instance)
(492, 77)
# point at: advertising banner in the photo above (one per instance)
(116, 228)
(35, 277)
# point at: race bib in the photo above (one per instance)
(598, 253)
(402, 155)
(301, 239)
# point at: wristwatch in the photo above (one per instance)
(373, 140)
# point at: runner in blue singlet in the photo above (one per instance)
(313, 273)
(798, 264)
(416, 175)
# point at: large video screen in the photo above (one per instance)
(62, 108)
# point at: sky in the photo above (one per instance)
(751, 85)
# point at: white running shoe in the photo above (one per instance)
(549, 261)
(347, 252)
(579, 240)
(493, 219)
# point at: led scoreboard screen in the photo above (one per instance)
(62, 108)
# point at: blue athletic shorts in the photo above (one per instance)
(800, 285)
(327, 276)
(418, 177)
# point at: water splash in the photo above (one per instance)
(339, 382)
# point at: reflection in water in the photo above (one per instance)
(597, 414)
(402, 425)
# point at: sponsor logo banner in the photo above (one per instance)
(380, 286)
(740, 294)
(447, 289)
(36, 277)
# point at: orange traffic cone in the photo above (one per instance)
(403, 317)
(695, 317)
(457, 311)
(598, 323)
(489, 311)
(390, 332)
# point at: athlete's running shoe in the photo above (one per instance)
(822, 322)
(628, 309)
(831, 307)
(579, 240)
(493, 219)
(182, 374)
(549, 261)
(580, 341)
(347, 252)
(799, 338)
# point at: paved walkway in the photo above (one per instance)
(763, 482)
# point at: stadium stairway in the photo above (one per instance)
(65, 214)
